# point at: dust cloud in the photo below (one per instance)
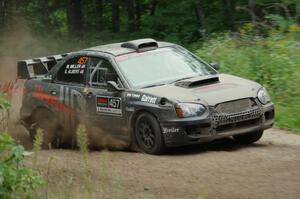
(98, 139)
(18, 43)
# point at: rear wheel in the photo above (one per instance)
(148, 134)
(46, 121)
(249, 137)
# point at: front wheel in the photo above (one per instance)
(249, 137)
(148, 134)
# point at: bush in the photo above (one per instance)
(272, 61)
(16, 181)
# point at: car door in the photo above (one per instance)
(67, 86)
(106, 108)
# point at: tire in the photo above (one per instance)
(45, 120)
(148, 134)
(249, 137)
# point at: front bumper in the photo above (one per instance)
(215, 126)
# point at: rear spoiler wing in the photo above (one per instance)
(31, 68)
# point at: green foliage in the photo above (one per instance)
(46, 16)
(272, 61)
(4, 111)
(179, 21)
(172, 22)
(16, 181)
(37, 145)
(4, 103)
(82, 139)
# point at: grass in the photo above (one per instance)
(37, 146)
(82, 140)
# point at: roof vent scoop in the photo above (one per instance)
(141, 45)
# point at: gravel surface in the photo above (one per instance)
(269, 168)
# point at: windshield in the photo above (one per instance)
(161, 66)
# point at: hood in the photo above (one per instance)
(228, 88)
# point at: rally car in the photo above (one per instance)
(150, 94)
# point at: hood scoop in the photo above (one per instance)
(198, 81)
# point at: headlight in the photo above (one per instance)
(263, 96)
(189, 110)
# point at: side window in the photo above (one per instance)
(73, 71)
(100, 70)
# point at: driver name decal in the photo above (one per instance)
(74, 69)
(108, 105)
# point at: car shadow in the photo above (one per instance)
(226, 144)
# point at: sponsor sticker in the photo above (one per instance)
(148, 99)
(133, 95)
(171, 130)
(109, 105)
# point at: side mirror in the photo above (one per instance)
(215, 65)
(113, 86)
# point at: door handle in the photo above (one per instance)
(89, 94)
(53, 92)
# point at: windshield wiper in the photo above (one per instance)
(154, 85)
(178, 80)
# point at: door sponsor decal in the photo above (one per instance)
(149, 99)
(109, 105)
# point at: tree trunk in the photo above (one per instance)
(115, 16)
(137, 10)
(153, 7)
(131, 16)
(3, 4)
(229, 13)
(100, 11)
(74, 17)
(252, 5)
(297, 15)
(200, 14)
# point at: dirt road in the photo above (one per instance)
(267, 169)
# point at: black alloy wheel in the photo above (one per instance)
(148, 134)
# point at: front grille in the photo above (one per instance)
(229, 118)
(236, 113)
(236, 106)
